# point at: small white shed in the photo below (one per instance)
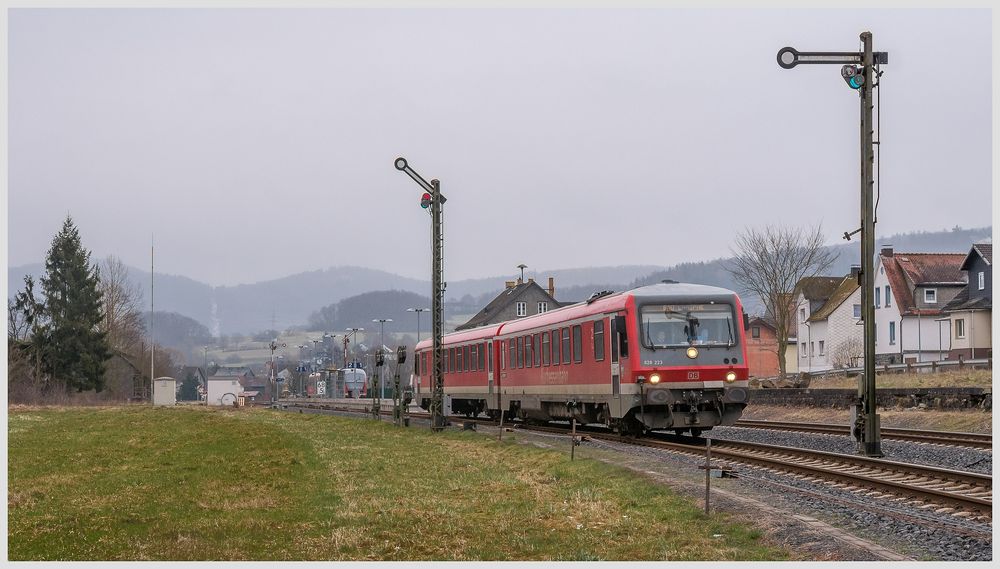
(164, 391)
(222, 390)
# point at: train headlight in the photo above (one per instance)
(730, 376)
(692, 352)
(655, 378)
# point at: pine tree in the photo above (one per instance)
(77, 347)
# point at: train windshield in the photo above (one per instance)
(683, 325)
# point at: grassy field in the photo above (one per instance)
(201, 484)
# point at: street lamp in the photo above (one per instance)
(381, 341)
(418, 311)
(329, 336)
(351, 332)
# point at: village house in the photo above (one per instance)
(910, 291)
(518, 299)
(762, 348)
(828, 312)
(969, 314)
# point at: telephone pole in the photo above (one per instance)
(859, 70)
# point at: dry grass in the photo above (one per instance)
(972, 421)
(194, 483)
(955, 378)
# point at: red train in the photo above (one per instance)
(668, 356)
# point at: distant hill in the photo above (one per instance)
(289, 301)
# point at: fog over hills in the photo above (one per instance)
(289, 301)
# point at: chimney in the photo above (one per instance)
(552, 287)
(856, 273)
(510, 284)
(531, 280)
(887, 250)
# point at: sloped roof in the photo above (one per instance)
(844, 290)
(818, 288)
(984, 250)
(906, 271)
(961, 302)
(502, 300)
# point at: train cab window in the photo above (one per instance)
(416, 366)
(545, 348)
(536, 351)
(565, 346)
(425, 358)
(577, 343)
(599, 340)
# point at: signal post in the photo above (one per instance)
(434, 200)
(859, 70)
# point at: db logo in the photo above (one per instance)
(693, 375)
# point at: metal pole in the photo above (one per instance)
(437, 304)
(708, 472)
(870, 444)
(572, 444)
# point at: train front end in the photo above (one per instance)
(691, 367)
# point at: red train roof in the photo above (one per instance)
(481, 333)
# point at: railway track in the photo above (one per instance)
(966, 494)
(950, 438)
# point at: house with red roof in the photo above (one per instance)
(911, 289)
(970, 312)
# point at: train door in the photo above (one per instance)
(619, 350)
(489, 365)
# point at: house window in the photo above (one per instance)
(755, 332)
(522, 308)
(821, 345)
(982, 280)
(599, 340)
(812, 348)
(545, 348)
(802, 315)
(543, 307)
(878, 297)
(892, 333)
(960, 328)
(930, 295)
(802, 350)
(857, 311)
(888, 302)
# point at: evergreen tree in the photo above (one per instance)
(77, 348)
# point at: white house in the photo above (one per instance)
(910, 291)
(828, 310)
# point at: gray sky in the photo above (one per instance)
(259, 143)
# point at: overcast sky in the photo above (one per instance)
(259, 143)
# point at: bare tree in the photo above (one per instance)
(848, 352)
(770, 262)
(122, 315)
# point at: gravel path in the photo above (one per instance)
(921, 534)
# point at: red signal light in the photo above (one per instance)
(425, 200)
